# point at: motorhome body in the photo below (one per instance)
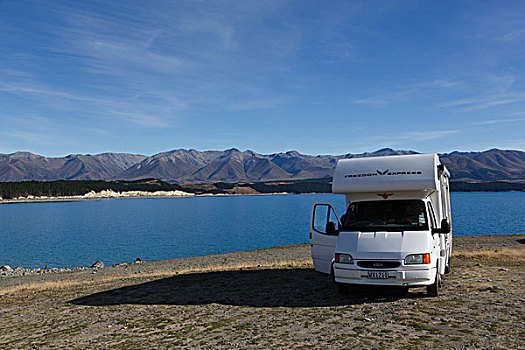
(396, 229)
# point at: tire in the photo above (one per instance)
(343, 288)
(433, 289)
(447, 266)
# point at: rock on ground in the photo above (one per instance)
(98, 265)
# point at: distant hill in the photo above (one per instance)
(232, 166)
(491, 165)
(25, 166)
(191, 166)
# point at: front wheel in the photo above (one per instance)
(343, 288)
(433, 289)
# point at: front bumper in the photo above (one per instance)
(401, 276)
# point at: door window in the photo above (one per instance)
(431, 214)
(325, 220)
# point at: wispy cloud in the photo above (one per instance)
(149, 109)
(479, 103)
(408, 92)
(98, 131)
(429, 135)
(514, 35)
(36, 139)
(245, 106)
(113, 72)
(387, 98)
(143, 119)
(440, 84)
(197, 55)
(416, 136)
(17, 73)
(23, 89)
(177, 42)
(500, 121)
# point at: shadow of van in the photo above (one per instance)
(259, 288)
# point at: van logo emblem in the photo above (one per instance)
(385, 195)
(387, 172)
(377, 265)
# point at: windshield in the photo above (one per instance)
(392, 215)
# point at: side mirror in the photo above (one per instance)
(330, 229)
(445, 226)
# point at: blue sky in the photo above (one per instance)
(320, 77)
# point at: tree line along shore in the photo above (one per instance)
(62, 188)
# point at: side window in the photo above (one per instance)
(432, 216)
(445, 202)
(325, 220)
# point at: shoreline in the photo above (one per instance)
(19, 271)
(109, 194)
(125, 195)
(92, 195)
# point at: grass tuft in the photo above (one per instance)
(511, 253)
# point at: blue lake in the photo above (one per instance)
(121, 230)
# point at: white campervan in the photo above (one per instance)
(397, 226)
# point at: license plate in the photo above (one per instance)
(378, 275)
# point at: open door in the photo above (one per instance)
(324, 230)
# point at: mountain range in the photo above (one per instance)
(232, 165)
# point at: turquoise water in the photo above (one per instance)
(79, 233)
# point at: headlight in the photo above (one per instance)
(417, 259)
(343, 258)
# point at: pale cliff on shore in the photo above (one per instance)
(105, 194)
(109, 194)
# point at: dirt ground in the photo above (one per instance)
(268, 298)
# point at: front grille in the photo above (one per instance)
(378, 264)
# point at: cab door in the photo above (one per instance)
(439, 250)
(324, 231)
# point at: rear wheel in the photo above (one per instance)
(433, 289)
(447, 266)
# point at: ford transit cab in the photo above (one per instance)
(396, 229)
